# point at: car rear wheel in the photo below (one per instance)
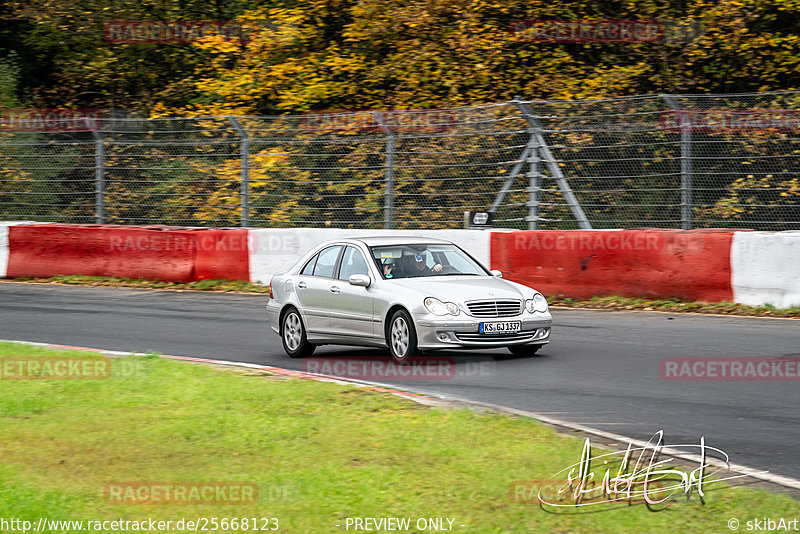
(293, 335)
(401, 337)
(524, 350)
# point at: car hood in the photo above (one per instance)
(462, 288)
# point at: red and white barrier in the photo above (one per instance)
(52, 249)
(748, 267)
(631, 263)
(222, 254)
(4, 244)
(3, 249)
(766, 268)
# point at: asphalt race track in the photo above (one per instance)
(601, 370)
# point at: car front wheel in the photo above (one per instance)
(293, 335)
(401, 337)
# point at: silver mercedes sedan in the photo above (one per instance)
(407, 294)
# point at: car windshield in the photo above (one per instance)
(409, 261)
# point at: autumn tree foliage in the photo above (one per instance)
(415, 54)
(316, 55)
(346, 54)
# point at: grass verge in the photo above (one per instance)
(317, 452)
(602, 303)
(229, 286)
(675, 306)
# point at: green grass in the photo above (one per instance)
(318, 452)
(675, 306)
(235, 286)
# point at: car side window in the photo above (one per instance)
(353, 262)
(309, 268)
(327, 261)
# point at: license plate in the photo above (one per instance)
(506, 327)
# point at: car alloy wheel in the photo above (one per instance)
(402, 337)
(293, 335)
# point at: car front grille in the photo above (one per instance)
(494, 308)
(493, 338)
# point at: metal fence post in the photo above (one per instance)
(388, 215)
(391, 137)
(244, 191)
(686, 161)
(99, 173)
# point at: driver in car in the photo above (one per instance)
(419, 266)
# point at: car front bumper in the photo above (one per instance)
(435, 332)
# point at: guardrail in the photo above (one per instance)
(754, 268)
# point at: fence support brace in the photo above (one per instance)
(523, 158)
(534, 189)
(244, 192)
(537, 144)
(552, 165)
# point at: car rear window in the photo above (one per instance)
(309, 268)
(327, 261)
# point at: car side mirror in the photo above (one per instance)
(360, 280)
(496, 273)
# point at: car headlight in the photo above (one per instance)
(537, 303)
(437, 307)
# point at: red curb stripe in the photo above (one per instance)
(276, 370)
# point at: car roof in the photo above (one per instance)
(377, 241)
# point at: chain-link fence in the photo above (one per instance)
(670, 161)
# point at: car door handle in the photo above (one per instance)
(335, 289)
(301, 285)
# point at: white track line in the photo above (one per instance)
(421, 397)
